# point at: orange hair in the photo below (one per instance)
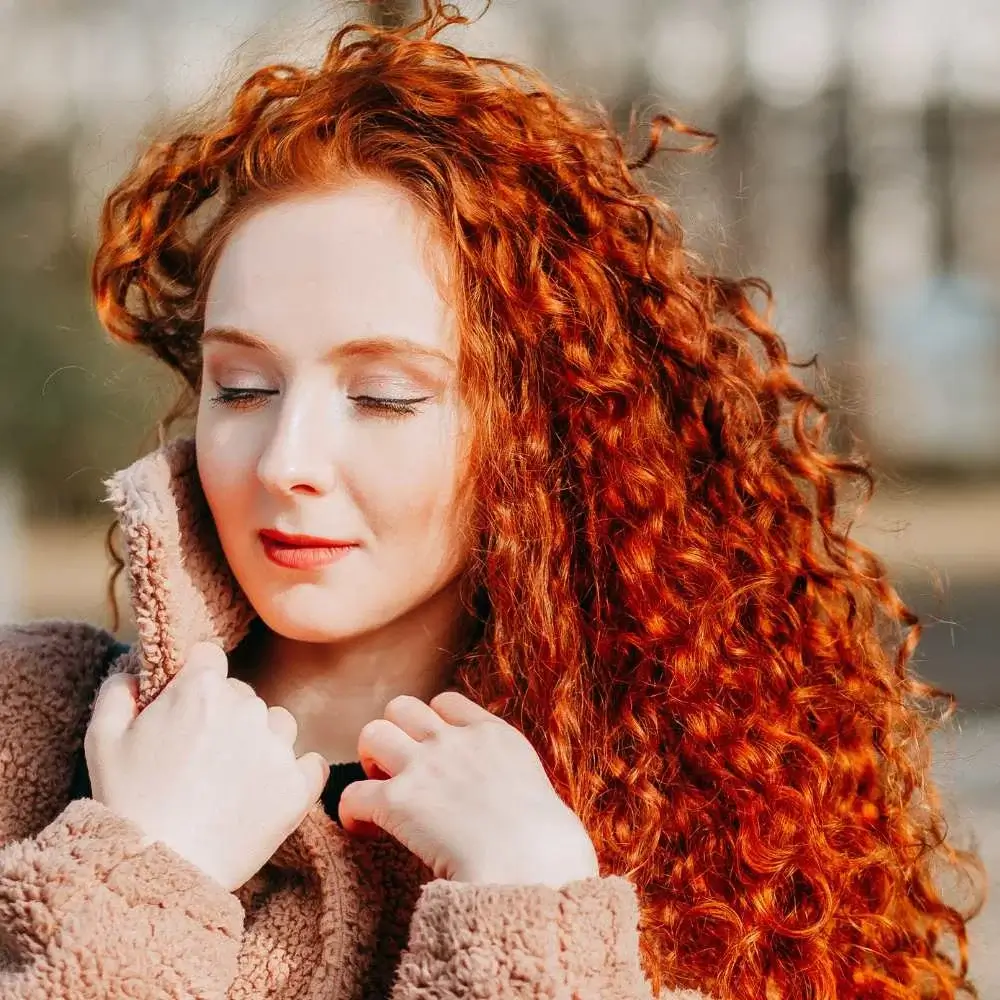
(715, 675)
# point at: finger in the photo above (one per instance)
(458, 710)
(115, 708)
(241, 688)
(415, 717)
(315, 770)
(383, 743)
(282, 723)
(206, 656)
(373, 771)
(360, 803)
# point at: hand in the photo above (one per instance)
(207, 768)
(467, 794)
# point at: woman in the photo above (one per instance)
(491, 507)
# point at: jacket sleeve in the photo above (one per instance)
(495, 942)
(89, 913)
(87, 910)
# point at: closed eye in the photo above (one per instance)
(396, 407)
(241, 399)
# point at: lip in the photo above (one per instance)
(303, 551)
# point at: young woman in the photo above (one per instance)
(497, 637)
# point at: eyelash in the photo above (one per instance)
(243, 399)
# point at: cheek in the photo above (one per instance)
(224, 464)
(413, 492)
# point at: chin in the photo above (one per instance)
(318, 617)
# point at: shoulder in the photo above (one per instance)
(49, 674)
(46, 668)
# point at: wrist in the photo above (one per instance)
(556, 866)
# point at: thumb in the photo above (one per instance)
(315, 770)
(204, 656)
(359, 804)
(115, 708)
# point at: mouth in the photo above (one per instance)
(303, 551)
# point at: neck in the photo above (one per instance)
(334, 689)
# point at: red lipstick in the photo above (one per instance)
(302, 551)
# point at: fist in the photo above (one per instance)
(207, 768)
(467, 794)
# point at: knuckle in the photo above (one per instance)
(258, 709)
(392, 794)
(494, 728)
(444, 698)
(372, 730)
(240, 687)
(283, 718)
(242, 693)
(396, 703)
(194, 680)
(206, 652)
(448, 741)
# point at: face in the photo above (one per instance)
(330, 409)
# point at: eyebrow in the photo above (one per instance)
(360, 347)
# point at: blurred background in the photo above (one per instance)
(856, 172)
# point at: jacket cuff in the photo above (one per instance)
(578, 940)
(95, 845)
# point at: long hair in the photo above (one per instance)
(713, 672)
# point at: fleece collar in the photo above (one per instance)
(180, 585)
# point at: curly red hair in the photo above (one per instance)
(714, 673)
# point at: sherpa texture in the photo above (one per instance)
(88, 913)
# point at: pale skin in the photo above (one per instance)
(305, 427)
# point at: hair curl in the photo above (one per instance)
(657, 513)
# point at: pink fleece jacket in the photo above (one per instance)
(87, 912)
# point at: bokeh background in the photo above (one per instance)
(856, 172)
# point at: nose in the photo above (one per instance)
(293, 460)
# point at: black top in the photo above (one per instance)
(341, 775)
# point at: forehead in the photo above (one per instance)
(360, 260)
